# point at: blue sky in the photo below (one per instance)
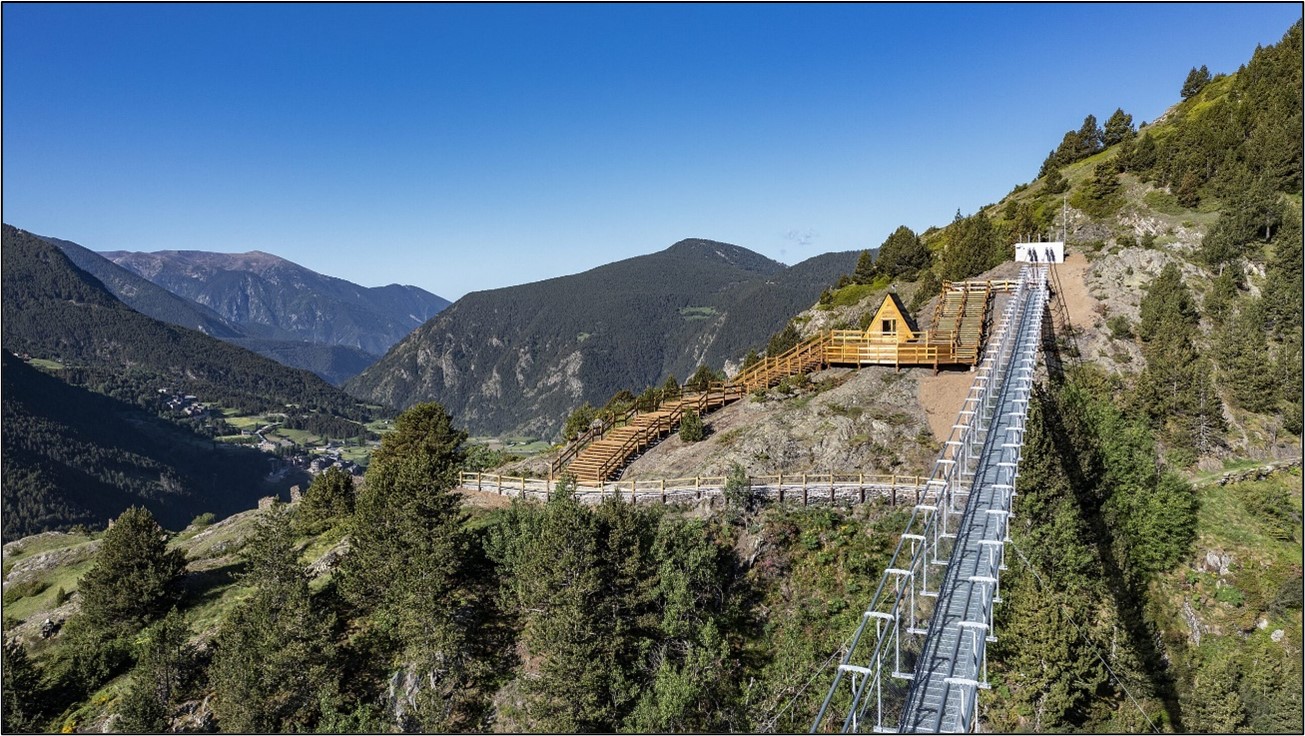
(472, 146)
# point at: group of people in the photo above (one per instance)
(1048, 252)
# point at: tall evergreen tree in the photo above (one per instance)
(865, 268)
(974, 247)
(1196, 81)
(567, 628)
(164, 667)
(694, 685)
(783, 340)
(1101, 195)
(1089, 138)
(136, 578)
(329, 496)
(1167, 306)
(1244, 360)
(1118, 127)
(425, 434)
(1056, 182)
(273, 663)
(902, 255)
(408, 570)
(22, 699)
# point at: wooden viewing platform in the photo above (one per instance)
(955, 337)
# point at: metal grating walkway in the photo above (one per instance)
(908, 676)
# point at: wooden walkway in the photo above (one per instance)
(954, 338)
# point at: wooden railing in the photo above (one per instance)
(717, 394)
(795, 360)
(804, 487)
(595, 432)
(940, 345)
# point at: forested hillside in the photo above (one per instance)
(521, 358)
(56, 311)
(271, 298)
(72, 456)
(1152, 583)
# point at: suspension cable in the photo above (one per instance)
(1095, 650)
(770, 725)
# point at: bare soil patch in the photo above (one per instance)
(1073, 288)
(942, 397)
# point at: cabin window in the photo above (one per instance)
(890, 326)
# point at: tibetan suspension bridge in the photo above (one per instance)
(917, 659)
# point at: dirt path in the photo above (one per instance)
(942, 397)
(1073, 284)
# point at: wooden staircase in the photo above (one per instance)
(960, 318)
(956, 337)
(597, 461)
(805, 357)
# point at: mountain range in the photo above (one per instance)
(269, 305)
(268, 297)
(518, 359)
(83, 441)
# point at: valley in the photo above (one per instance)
(201, 538)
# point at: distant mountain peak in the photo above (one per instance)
(735, 255)
(270, 297)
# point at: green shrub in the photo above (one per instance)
(25, 589)
(691, 428)
(1120, 327)
(1230, 595)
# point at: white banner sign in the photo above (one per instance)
(1040, 252)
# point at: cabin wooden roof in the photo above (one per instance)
(892, 308)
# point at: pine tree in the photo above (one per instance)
(1243, 355)
(1056, 182)
(1101, 195)
(329, 496)
(164, 667)
(975, 247)
(1223, 293)
(691, 427)
(136, 578)
(408, 569)
(567, 629)
(22, 701)
(273, 663)
(1167, 307)
(1284, 291)
(1118, 127)
(671, 388)
(578, 422)
(1143, 157)
(1196, 81)
(695, 682)
(1188, 191)
(865, 268)
(425, 434)
(702, 378)
(902, 254)
(783, 340)
(1089, 138)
